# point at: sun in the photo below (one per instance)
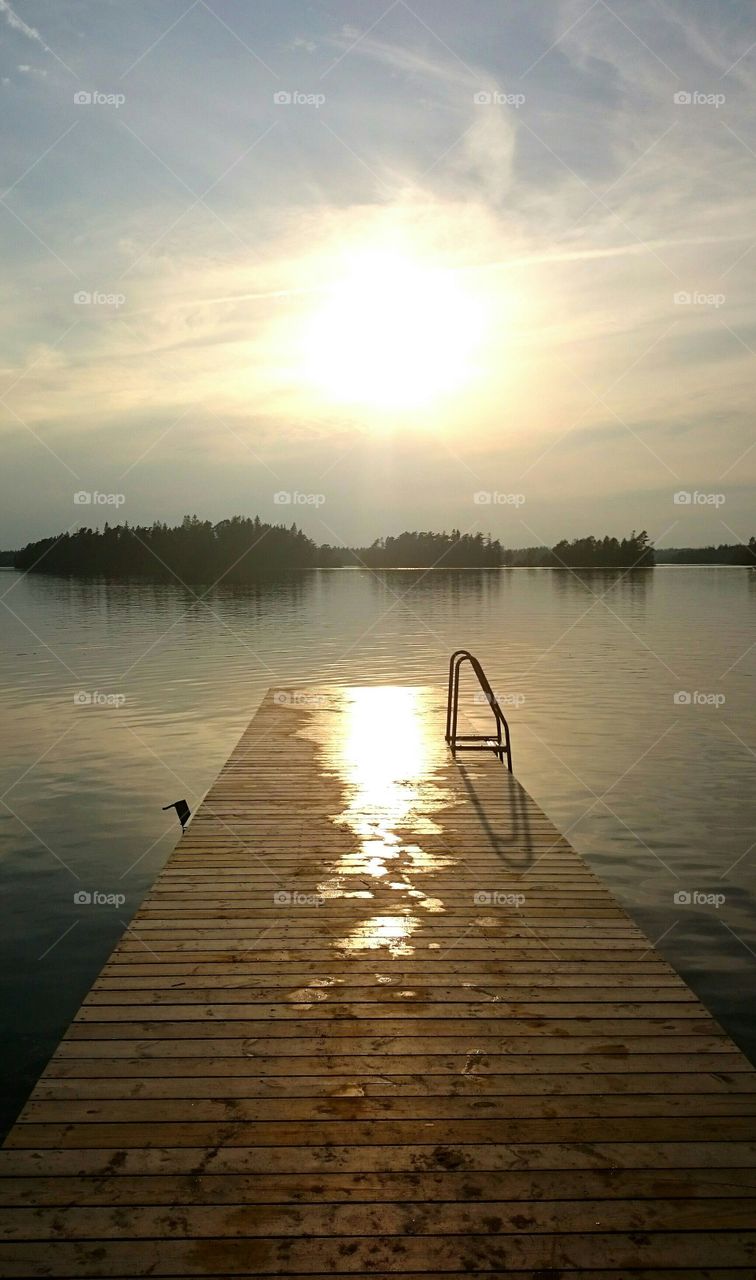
(395, 332)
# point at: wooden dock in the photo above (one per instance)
(377, 1018)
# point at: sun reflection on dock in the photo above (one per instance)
(384, 757)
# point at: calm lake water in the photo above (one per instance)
(121, 698)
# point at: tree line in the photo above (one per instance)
(454, 550)
(235, 550)
(584, 553)
(725, 553)
(242, 548)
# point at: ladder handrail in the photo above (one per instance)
(456, 741)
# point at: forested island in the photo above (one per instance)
(725, 553)
(587, 553)
(454, 550)
(196, 550)
(244, 548)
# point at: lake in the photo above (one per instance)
(630, 698)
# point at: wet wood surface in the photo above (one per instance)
(377, 1017)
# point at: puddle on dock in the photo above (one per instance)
(391, 932)
(384, 748)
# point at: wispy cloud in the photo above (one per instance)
(18, 24)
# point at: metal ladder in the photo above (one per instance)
(500, 742)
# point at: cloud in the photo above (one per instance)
(18, 24)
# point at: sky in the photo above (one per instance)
(368, 267)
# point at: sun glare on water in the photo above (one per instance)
(394, 332)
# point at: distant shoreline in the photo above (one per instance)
(575, 570)
(244, 549)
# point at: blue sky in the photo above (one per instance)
(505, 248)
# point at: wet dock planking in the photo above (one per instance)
(377, 1017)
